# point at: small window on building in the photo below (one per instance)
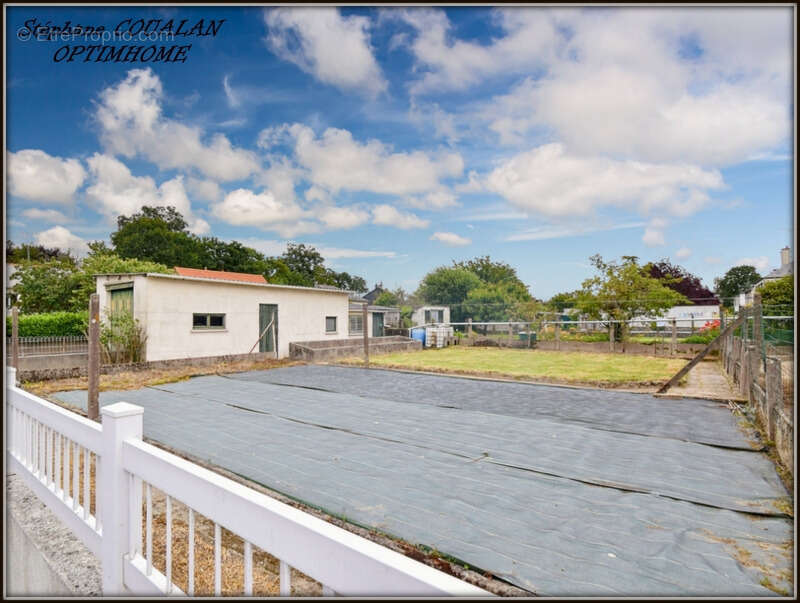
(208, 321)
(330, 324)
(356, 324)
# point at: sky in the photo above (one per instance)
(396, 140)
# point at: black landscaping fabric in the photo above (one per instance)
(545, 499)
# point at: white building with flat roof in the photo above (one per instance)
(198, 313)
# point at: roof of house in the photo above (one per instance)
(205, 279)
(242, 277)
(784, 270)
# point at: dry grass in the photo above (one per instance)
(137, 379)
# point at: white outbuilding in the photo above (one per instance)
(195, 313)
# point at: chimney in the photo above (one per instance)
(785, 257)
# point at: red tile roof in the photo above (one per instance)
(242, 277)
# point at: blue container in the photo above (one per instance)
(418, 334)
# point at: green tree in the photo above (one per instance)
(561, 301)
(82, 284)
(625, 290)
(739, 279)
(489, 271)
(157, 234)
(305, 263)
(779, 292)
(449, 286)
(46, 286)
(35, 253)
(387, 298)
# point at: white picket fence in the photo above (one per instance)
(41, 432)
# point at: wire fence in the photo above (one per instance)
(50, 346)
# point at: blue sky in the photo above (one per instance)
(396, 140)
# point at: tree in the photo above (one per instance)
(305, 263)
(46, 286)
(625, 290)
(739, 279)
(149, 235)
(387, 298)
(684, 282)
(561, 301)
(35, 253)
(779, 292)
(102, 262)
(170, 216)
(489, 271)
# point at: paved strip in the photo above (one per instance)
(692, 420)
(551, 535)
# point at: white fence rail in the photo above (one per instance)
(57, 452)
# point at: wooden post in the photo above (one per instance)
(93, 408)
(611, 336)
(774, 390)
(15, 337)
(365, 320)
(679, 375)
(469, 327)
(510, 335)
(758, 332)
(558, 336)
(673, 344)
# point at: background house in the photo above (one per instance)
(786, 268)
(425, 315)
(197, 313)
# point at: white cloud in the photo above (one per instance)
(37, 176)
(683, 253)
(341, 217)
(653, 237)
(243, 207)
(387, 215)
(452, 64)
(46, 215)
(632, 94)
(334, 49)
(450, 238)
(207, 190)
(60, 237)
(115, 191)
(435, 200)
(432, 115)
(553, 182)
(230, 94)
(560, 231)
(336, 161)
(132, 124)
(760, 263)
(335, 253)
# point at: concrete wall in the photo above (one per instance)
(320, 351)
(60, 361)
(164, 306)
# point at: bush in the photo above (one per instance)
(122, 339)
(704, 338)
(51, 324)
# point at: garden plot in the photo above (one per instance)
(559, 500)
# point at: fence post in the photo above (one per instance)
(15, 337)
(365, 320)
(558, 336)
(93, 372)
(11, 376)
(611, 336)
(469, 327)
(673, 342)
(774, 390)
(758, 333)
(121, 421)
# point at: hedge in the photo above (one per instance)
(51, 324)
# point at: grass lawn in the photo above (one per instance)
(541, 365)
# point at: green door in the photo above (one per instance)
(268, 313)
(122, 301)
(377, 325)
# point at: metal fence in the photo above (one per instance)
(50, 346)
